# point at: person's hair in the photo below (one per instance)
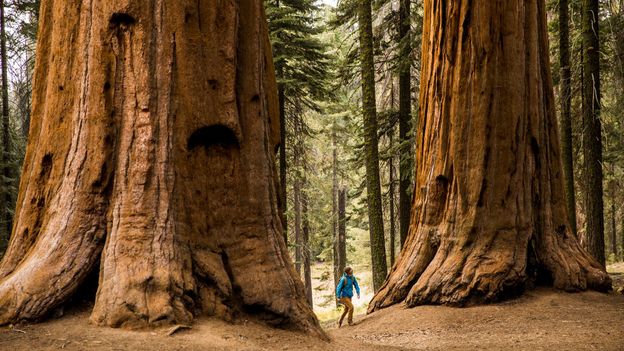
(348, 270)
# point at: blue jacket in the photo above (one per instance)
(345, 286)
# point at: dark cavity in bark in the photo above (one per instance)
(217, 135)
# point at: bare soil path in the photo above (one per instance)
(541, 320)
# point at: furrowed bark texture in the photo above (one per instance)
(369, 110)
(305, 247)
(592, 132)
(406, 167)
(566, 115)
(151, 156)
(489, 213)
(5, 159)
(282, 153)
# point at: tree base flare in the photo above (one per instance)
(488, 217)
(151, 158)
(457, 277)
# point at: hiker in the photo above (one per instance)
(344, 293)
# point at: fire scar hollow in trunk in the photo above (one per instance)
(151, 158)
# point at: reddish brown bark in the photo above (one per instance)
(489, 215)
(152, 144)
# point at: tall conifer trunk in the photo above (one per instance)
(592, 132)
(489, 216)
(405, 119)
(566, 116)
(336, 254)
(613, 230)
(342, 229)
(369, 110)
(391, 202)
(151, 159)
(622, 233)
(298, 235)
(5, 158)
(614, 248)
(283, 166)
(305, 246)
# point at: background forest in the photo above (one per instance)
(348, 118)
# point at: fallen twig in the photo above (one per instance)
(177, 328)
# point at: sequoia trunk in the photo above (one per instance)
(373, 186)
(405, 118)
(151, 153)
(5, 159)
(283, 166)
(592, 132)
(305, 247)
(489, 212)
(566, 116)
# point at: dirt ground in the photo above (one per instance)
(617, 275)
(542, 319)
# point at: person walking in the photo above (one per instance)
(344, 294)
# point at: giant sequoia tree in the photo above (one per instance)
(151, 160)
(489, 215)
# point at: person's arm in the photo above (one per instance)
(339, 287)
(357, 286)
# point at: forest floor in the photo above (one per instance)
(542, 319)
